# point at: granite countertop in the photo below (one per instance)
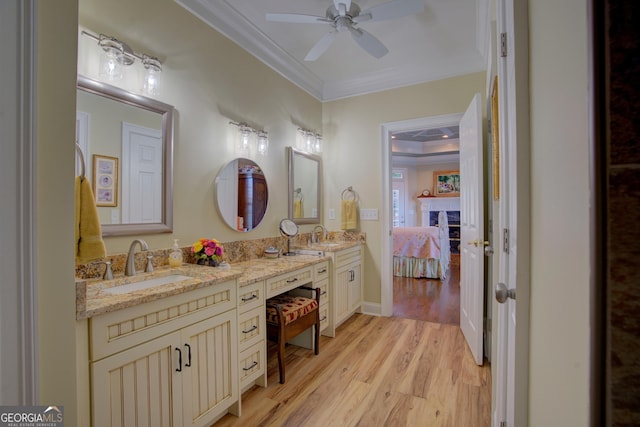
(93, 300)
(328, 246)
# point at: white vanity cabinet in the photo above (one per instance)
(169, 362)
(252, 335)
(346, 285)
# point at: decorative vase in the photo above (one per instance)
(208, 262)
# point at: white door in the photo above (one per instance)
(472, 229)
(141, 174)
(510, 370)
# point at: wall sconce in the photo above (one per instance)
(245, 141)
(311, 141)
(117, 55)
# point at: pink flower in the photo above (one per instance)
(219, 250)
(209, 251)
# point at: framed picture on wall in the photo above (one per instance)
(446, 183)
(105, 180)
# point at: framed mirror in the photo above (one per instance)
(305, 189)
(242, 194)
(135, 135)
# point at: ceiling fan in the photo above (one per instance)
(345, 16)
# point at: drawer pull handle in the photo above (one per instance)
(179, 368)
(323, 318)
(295, 279)
(188, 364)
(253, 328)
(253, 296)
(324, 270)
(253, 365)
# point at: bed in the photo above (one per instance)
(422, 251)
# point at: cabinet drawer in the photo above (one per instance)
(251, 328)
(347, 256)
(118, 330)
(286, 282)
(324, 316)
(324, 291)
(321, 271)
(250, 297)
(252, 363)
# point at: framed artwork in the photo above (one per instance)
(105, 180)
(446, 183)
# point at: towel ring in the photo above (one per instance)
(349, 191)
(82, 164)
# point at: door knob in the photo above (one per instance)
(488, 250)
(503, 294)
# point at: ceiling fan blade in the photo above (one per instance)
(343, 6)
(368, 42)
(321, 46)
(390, 10)
(296, 18)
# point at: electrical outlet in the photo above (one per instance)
(369, 214)
(332, 213)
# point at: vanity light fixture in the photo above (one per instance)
(246, 145)
(311, 141)
(117, 55)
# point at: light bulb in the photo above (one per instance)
(263, 143)
(153, 69)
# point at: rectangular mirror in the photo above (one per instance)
(131, 136)
(305, 189)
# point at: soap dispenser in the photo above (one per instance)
(175, 256)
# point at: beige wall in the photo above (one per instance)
(353, 149)
(57, 23)
(210, 81)
(560, 234)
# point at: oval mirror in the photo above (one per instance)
(242, 194)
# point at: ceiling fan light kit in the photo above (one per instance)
(345, 16)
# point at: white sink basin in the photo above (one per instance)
(327, 244)
(146, 284)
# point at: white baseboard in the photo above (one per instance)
(372, 308)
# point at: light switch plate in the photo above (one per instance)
(332, 213)
(369, 214)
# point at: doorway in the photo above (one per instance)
(443, 155)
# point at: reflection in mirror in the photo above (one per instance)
(304, 186)
(242, 194)
(137, 133)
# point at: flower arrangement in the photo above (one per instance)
(207, 251)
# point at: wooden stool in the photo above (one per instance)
(288, 316)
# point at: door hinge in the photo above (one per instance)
(503, 424)
(505, 240)
(503, 45)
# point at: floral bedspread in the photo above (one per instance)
(417, 242)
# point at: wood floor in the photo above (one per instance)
(377, 371)
(431, 300)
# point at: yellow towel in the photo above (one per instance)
(349, 215)
(89, 244)
(298, 210)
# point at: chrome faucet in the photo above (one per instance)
(130, 268)
(314, 239)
